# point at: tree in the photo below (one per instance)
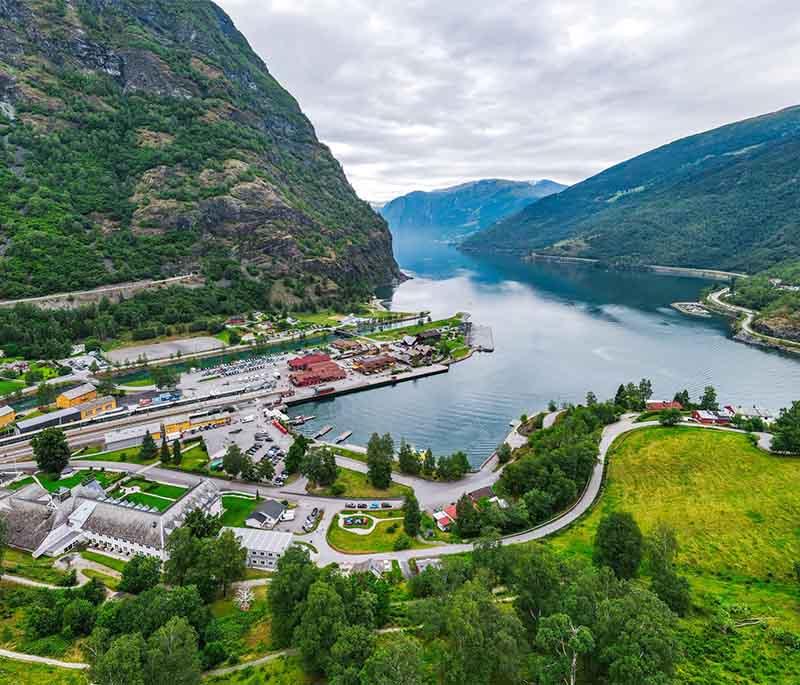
(45, 394)
(683, 398)
(645, 389)
(171, 657)
(121, 664)
(408, 459)
(319, 466)
(591, 399)
(468, 521)
(233, 460)
(538, 584)
(148, 450)
(265, 470)
(429, 463)
(230, 560)
(412, 518)
(399, 662)
(165, 376)
(504, 453)
(3, 541)
(79, 616)
(177, 456)
(563, 643)
(708, 401)
(662, 547)
(380, 455)
(354, 645)
(165, 455)
(203, 525)
(295, 454)
(618, 544)
(786, 430)
(669, 417)
(290, 585)
(51, 451)
(140, 573)
(621, 398)
(322, 617)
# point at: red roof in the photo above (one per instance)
(660, 406)
(451, 512)
(308, 359)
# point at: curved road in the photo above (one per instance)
(749, 315)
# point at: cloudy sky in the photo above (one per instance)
(424, 94)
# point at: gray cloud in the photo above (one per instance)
(420, 95)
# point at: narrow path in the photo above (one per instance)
(33, 659)
(19, 580)
(248, 664)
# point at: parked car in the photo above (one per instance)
(350, 505)
(362, 505)
(373, 505)
(386, 505)
(314, 513)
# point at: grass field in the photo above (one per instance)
(356, 485)
(129, 455)
(19, 563)
(53, 482)
(148, 500)
(160, 489)
(237, 509)
(21, 673)
(109, 581)
(7, 386)
(378, 541)
(285, 671)
(112, 562)
(398, 333)
(735, 511)
(194, 457)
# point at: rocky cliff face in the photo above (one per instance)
(144, 138)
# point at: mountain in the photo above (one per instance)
(727, 198)
(465, 208)
(144, 138)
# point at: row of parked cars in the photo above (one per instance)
(311, 520)
(369, 505)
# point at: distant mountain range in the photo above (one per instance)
(464, 209)
(727, 198)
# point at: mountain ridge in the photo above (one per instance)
(724, 198)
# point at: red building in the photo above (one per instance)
(710, 418)
(662, 405)
(314, 374)
(304, 362)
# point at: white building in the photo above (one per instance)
(264, 547)
(131, 437)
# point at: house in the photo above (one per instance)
(374, 364)
(304, 362)
(264, 547)
(481, 493)
(662, 405)
(377, 567)
(132, 436)
(443, 521)
(266, 515)
(429, 337)
(7, 416)
(345, 345)
(320, 372)
(434, 562)
(751, 413)
(710, 418)
(75, 396)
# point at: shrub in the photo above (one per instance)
(402, 542)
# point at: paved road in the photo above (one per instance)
(33, 659)
(749, 316)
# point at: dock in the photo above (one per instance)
(692, 309)
(481, 338)
(341, 438)
(322, 431)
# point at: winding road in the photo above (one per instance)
(749, 315)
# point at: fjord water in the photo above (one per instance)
(559, 330)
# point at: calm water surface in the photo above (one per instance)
(559, 330)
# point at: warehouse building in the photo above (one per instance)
(75, 396)
(131, 437)
(264, 547)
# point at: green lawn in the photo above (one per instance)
(194, 457)
(735, 511)
(129, 455)
(237, 509)
(378, 541)
(155, 502)
(356, 485)
(285, 671)
(7, 386)
(19, 563)
(109, 581)
(22, 673)
(112, 562)
(53, 482)
(21, 483)
(140, 382)
(161, 489)
(398, 333)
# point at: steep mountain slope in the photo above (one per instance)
(143, 138)
(465, 208)
(727, 198)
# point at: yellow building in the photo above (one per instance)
(71, 398)
(213, 421)
(96, 407)
(176, 424)
(7, 416)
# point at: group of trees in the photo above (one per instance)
(238, 464)
(50, 450)
(380, 457)
(70, 613)
(630, 397)
(786, 430)
(331, 619)
(319, 466)
(556, 465)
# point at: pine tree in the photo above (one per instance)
(149, 448)
(412, 518)
(177, 456)
(165, 456)
(429, 463)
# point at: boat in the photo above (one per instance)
(322, 431)
(300, 420)
(340, 439)
(323, 391)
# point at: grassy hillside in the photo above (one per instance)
(145, 138)
(726, 198)
(736, 516)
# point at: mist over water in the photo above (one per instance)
(559, 331)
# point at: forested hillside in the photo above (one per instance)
(465, 208)
(727, 198)
(144, 138)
